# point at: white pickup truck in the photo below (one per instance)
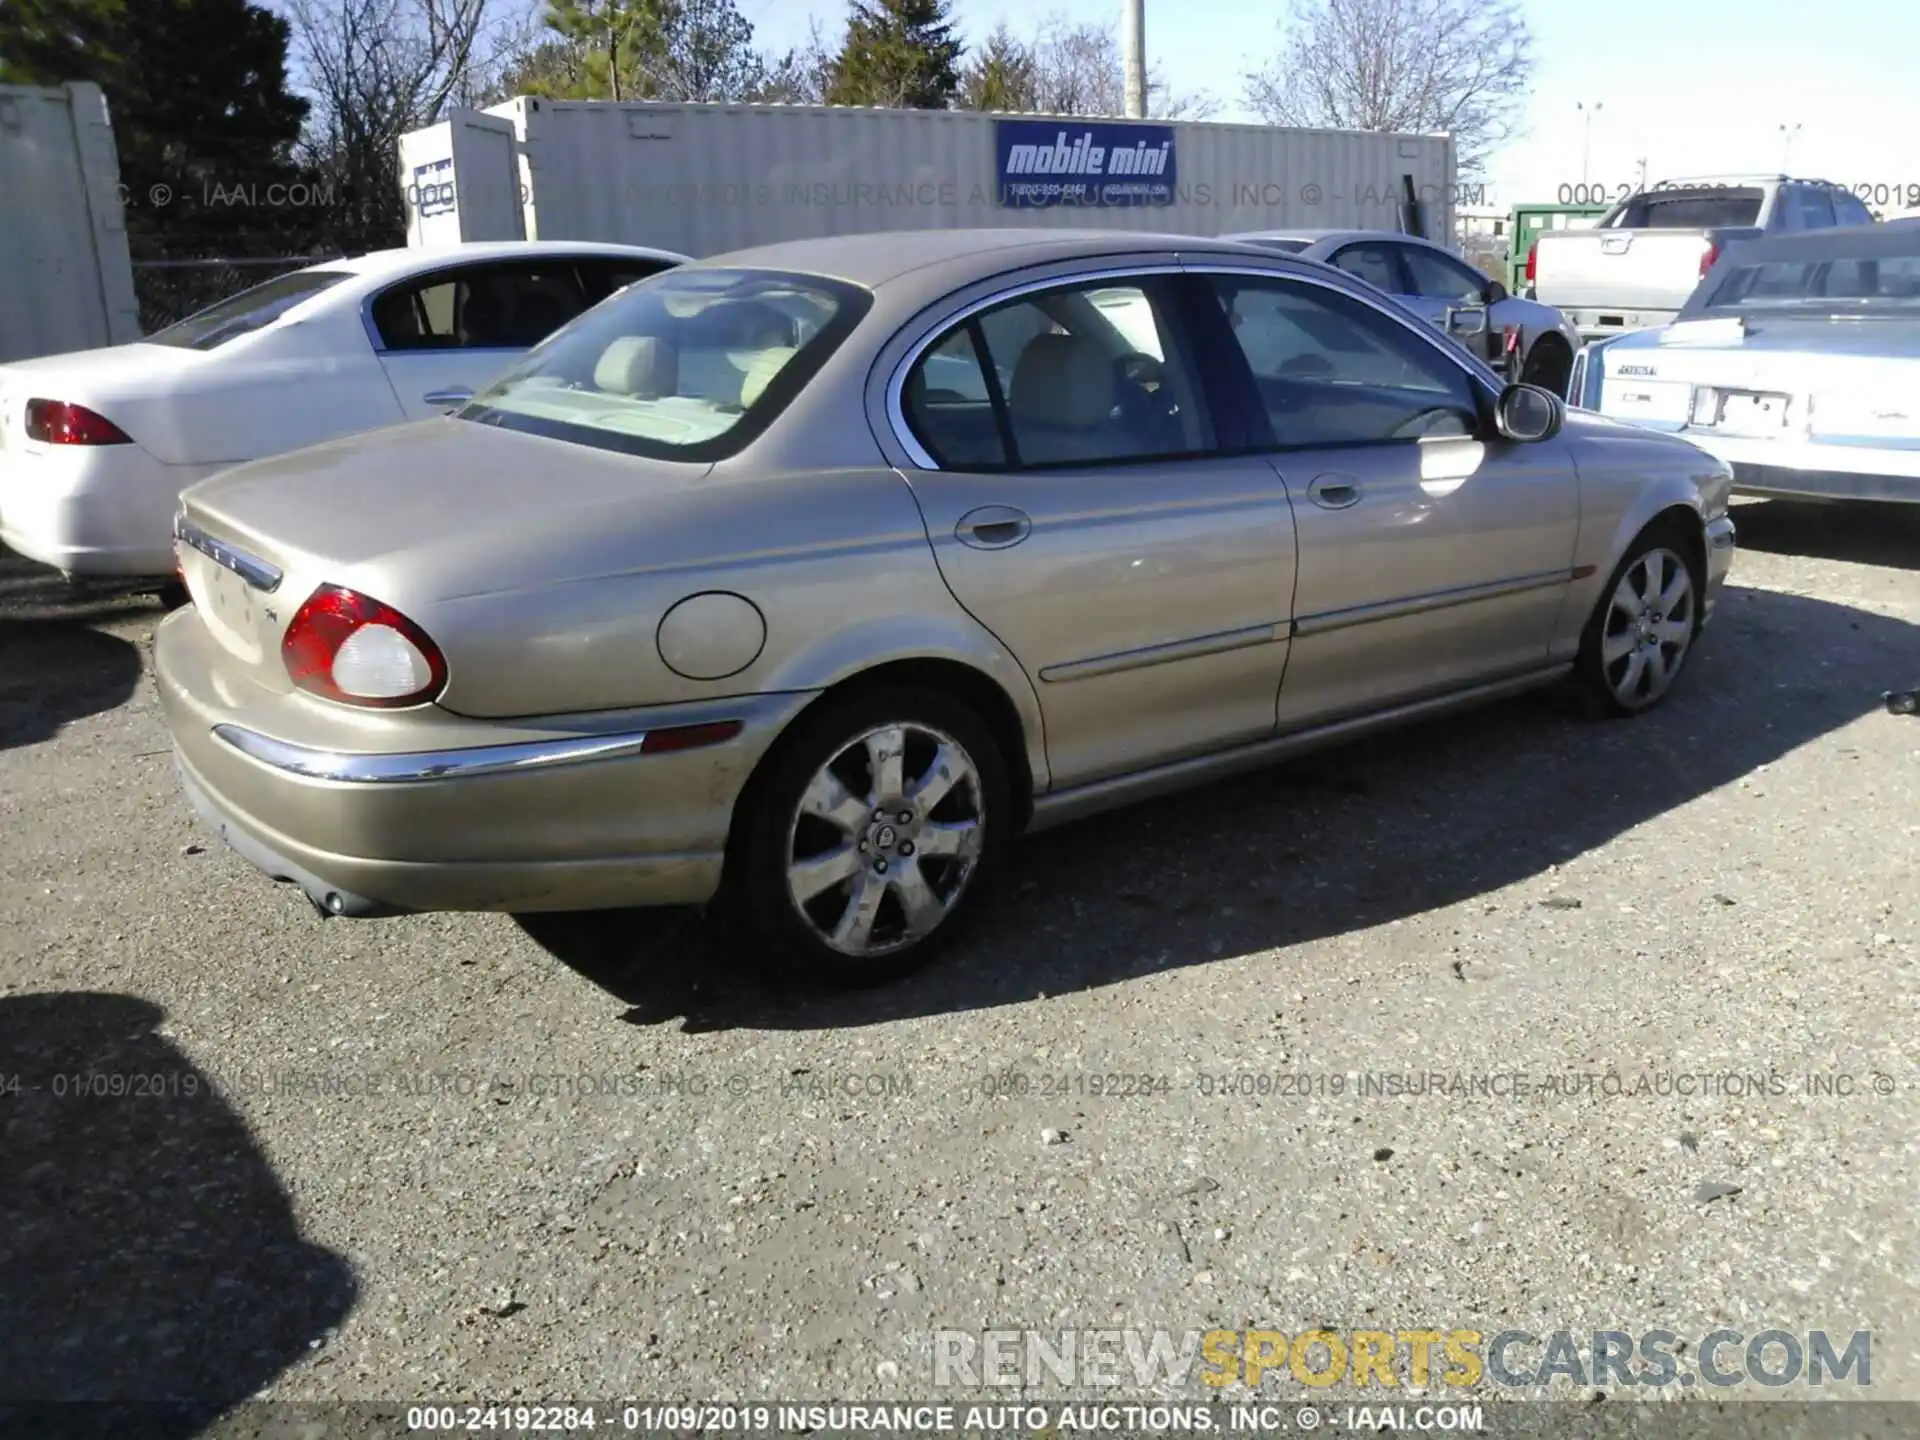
(1640, 261)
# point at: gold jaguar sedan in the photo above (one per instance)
(806, 578)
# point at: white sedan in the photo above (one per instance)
(96, 446)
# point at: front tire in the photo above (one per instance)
(864, 840)
(1549, 365)
(1643, 628)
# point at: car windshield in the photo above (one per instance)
(246, 312)
(1696, 209)
(686, 365)
(1838, 284)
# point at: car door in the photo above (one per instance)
(1432, 556)
(1453, 296)
(1070, 469)
(447, 334)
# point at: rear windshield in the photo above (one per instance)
(246, 312)
(687, 365)
(1697, 209)
(1269, 242)
(1840, 283)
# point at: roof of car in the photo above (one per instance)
(412, 257)
(1861, 241)
(875, 259)
(1314, 237)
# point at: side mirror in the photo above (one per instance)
(1496, 292)
(1526, 414)
(1466, 322)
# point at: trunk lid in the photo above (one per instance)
(416, 515)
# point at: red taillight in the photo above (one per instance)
(345, 646)
(1533, 260)
(1706, 260)
(58, 422)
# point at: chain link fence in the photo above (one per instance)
(170, 290)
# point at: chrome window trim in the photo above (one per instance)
(902, 433)
(250, 568)
(415, 766)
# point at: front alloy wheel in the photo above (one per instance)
(1647, 629)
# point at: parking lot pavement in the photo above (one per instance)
(467, 1156)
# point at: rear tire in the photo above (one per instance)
(1643, 627)
(864, 841)
(1549, 365)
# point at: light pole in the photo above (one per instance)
(1787, 132)
(1589, 109)
(1133, 56)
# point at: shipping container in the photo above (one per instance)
(703, 179)
(66, 279)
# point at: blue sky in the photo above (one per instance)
(1695, 86)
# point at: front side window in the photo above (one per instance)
(690, 364)
(1082, 375)
(1331, 370)
(250, 310)
(1441, 277)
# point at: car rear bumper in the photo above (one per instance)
(422, 810)
(93, 510)
(1596, 322)
(1797, 467)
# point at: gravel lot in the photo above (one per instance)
(789, 1192)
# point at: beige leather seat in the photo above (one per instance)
(643, 366)
(760, 373)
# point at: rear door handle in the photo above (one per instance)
(993, 527)
(1334, 492)
(446, 397)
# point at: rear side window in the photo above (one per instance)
(1813, 208)
(1700, 209)
(600, 278)
(248, 311)
(1373, 264)
(1083, 375)
(480, 307)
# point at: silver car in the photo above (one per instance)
(806, 578)
(1797, 360)
(1518, 337)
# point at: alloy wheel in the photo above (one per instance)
(885, 839)
(1648, 628)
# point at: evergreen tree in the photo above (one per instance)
(897, 53)
(1001, 76)
(197, 90)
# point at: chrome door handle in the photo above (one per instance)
(446, 397)
(1334, 492)
(993, 527)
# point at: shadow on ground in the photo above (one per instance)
(1862, 533)
(54, 666)
(1342, 841)
(147, 1251)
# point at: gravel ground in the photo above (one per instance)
(788, 1193)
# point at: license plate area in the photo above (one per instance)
(1751, 412)
(227, 604)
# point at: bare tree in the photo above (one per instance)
(1066, 69)
(1420, 66)
(801, 76)
(376, 69)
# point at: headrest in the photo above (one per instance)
(1063, 381)
(766, 365)
(644, 366)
